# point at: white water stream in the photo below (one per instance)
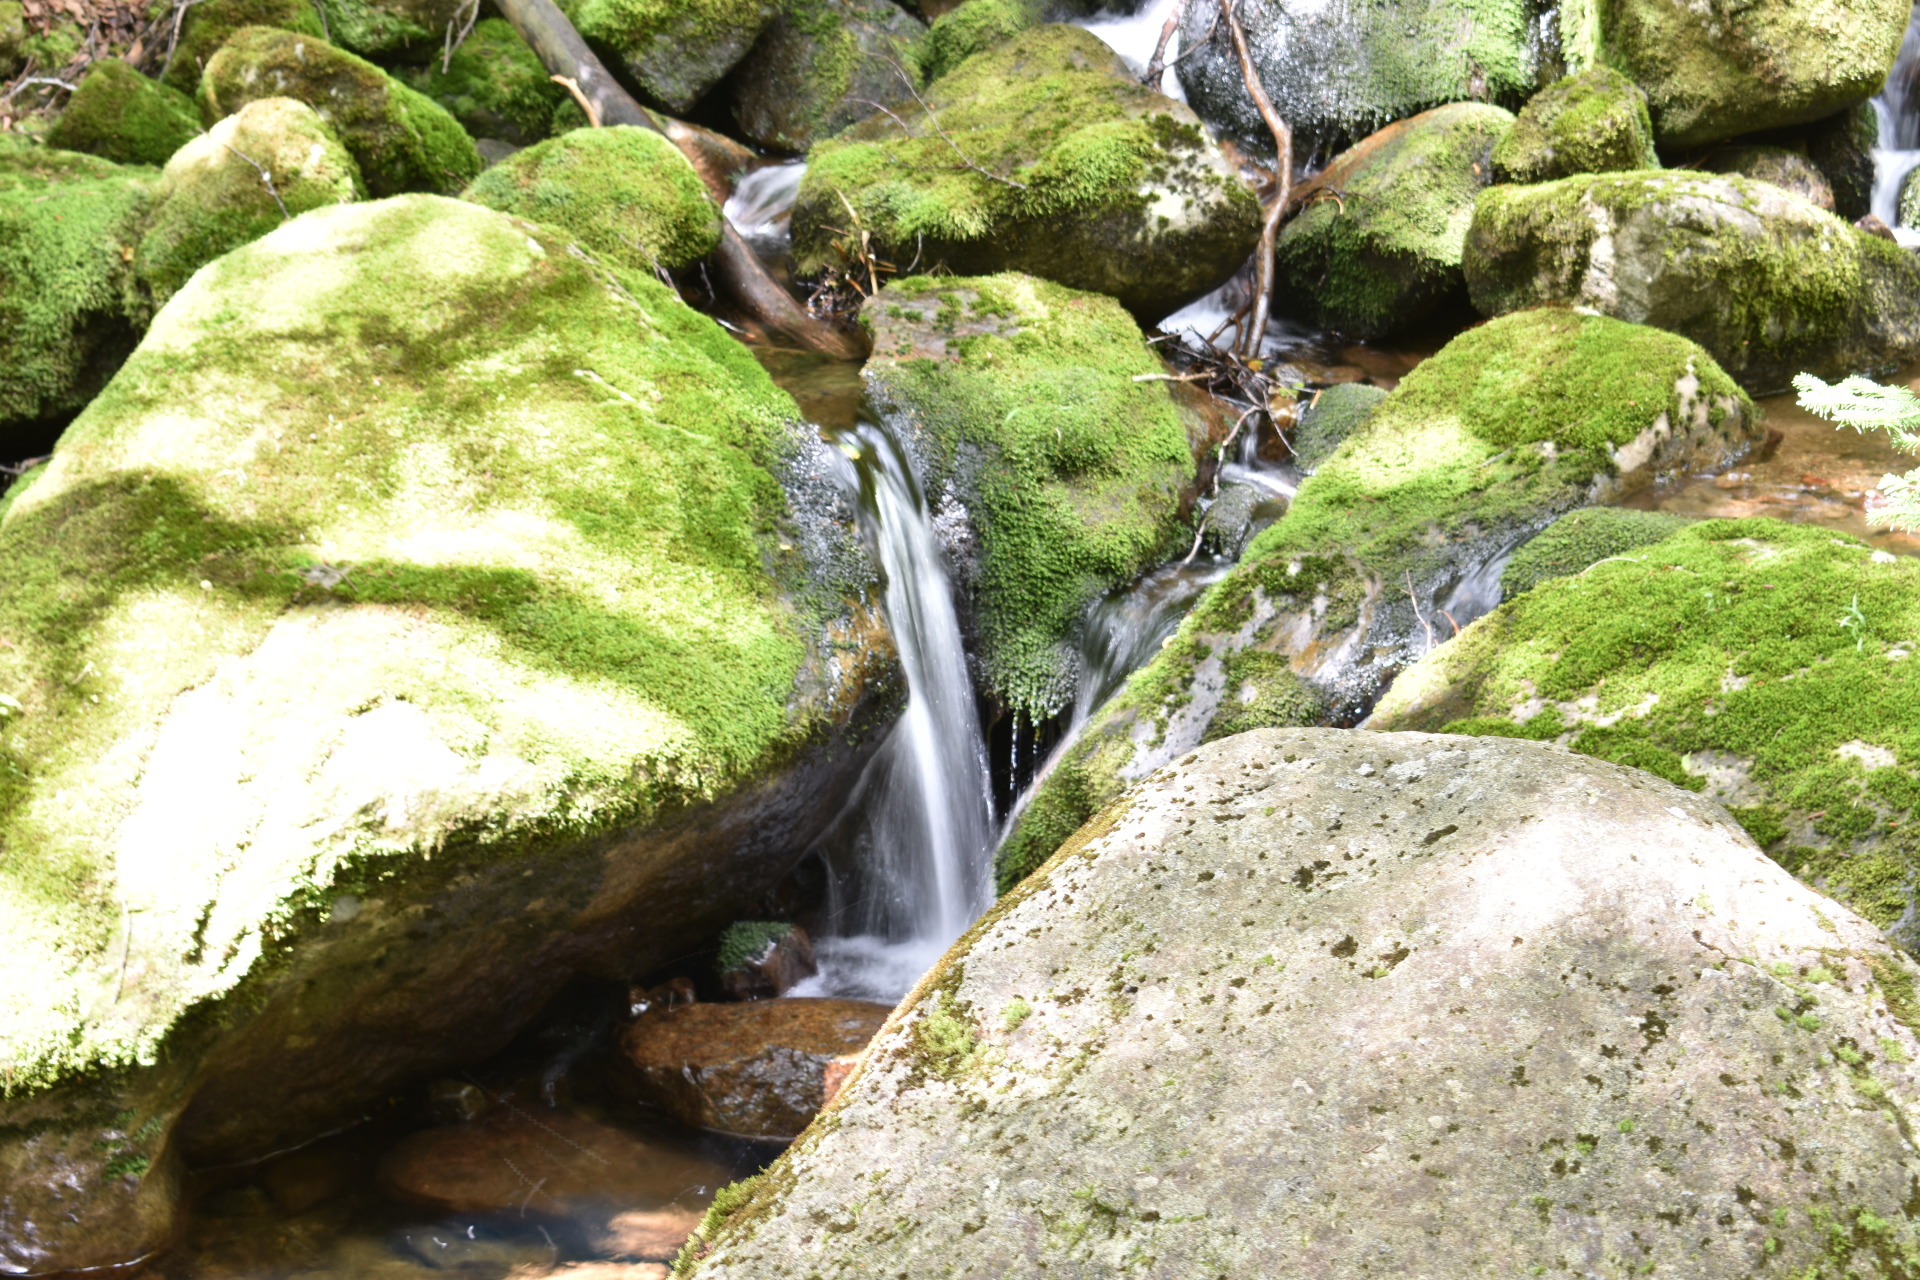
(1134, 36)
(1899, 142)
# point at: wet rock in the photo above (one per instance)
(1785, 169)
(673, 52)
(1078, 174)
(1398, 538)
(542, 606)
(549, 1161)
(454, 1101)
(496, 87)
(626, 192)
(205, 26)
(1768, 283)
(761, 959)
(211, 197)
(1230, 519)
(1329, 418)
(1594, 122)
(1713, 72)
(1874, 227)
(648, 1235)
(757, 1070)
(1376, 247)
(1388, 1059)
(664, 995)
(1340, 72)
(306, 1179)
(120, 115)
(1581, 539)
(1784, 695)
(402, 140)
(1041, 420)
(1842, 148)
(821, 65)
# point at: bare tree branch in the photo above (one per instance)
(1283, 182)
(1157, 68)
(266, 179)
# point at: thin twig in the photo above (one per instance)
(945, 136)
(1171, 377)
(1157, 67)
(472, 9)
(1415, 602)
(52, 80)
(180, 8)
(22, 467)
(572, 86)
(126, 944)
(326, 28)
(1283, 179)
(266, 179)
(1198, 534)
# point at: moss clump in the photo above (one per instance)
(495, 86)
(13, 36)
(386, 27)
(674, 51)
(1593, 122)
(1784, 168)
(1089, 179)
(975, 27)
(1386, 252)
(207, 25)
(1021, 396)
(120, 115)
(402, 140)
(210, 201)
(69, 307)
(411, 496)
(1582, 538)
(1262, 691)
(818, 67)
(746, 941)
(1770, 663)
(54, 46)
(1333, 415)
(626, 193)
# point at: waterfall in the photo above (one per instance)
(914, 864)
(1133, 37)
(761, 201)
(1898, 149)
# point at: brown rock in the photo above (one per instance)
(648, 1235)
(757, 1069)
(773, 969)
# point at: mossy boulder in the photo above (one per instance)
(1398, 538)
(207, 25)
(120, 115)
(210, 200)
(1078, 174)
(1056, 475)
(401, 139)
(1337, 73)
(975, 27)
(1593, 122)
(495, 86)
(1767, 282)
(624, 192)
(1784, 168)
(1331, 1004)
(1908, 212)
(381, 28)
(1583, 538)
(1764, 664)
(1716, 71)
(13, 37)
(1377, 246)
(70, 309)
(429, 612)
(819, 66)
(1331, 416)
(672, 51)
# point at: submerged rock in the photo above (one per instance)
(756, 1069)
(205, 26)
(1053, 457)
(496, 86)
(1788, 170)
(626, 192)
(1072, 171)
(1377, 246)
(672, 51)
(1398, 538)
(1767, 282)
(402, 140)
(1582, 538)
(422, 606)
(120, 115)
(1594, 122)
(1395, 1004)
(1763, 663)
(821, 65)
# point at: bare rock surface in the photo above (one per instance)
(1329, 1003)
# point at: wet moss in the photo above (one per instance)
(1593, 122)
(1262, 691)
(975, 27)
(746, 941)
(207, 25)
(1332, 416)
(1581, 538)
(495, 86)
(673, 50)
(120, 115)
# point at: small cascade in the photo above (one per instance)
(1898, 151)
(1133, 37)
(761, 201)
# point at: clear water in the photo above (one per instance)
(1133, 37)
(1898, 108)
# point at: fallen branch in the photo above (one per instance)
(572, 86)
(266, 179)
(1157, 67)
(1283, 181)
(52, 80)
(472, 10)
(1414, 600)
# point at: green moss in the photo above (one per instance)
(206, 26)
(55, 46)
(13, 35)
(385, 27)
(495, 86)
(1070, 469)
(1581, 538)
(1386, 252)
(746, 941)
(1262, 692)
(120, 115)
(627, 193)
(1593, 122)
(974, 27)
(1332, 416)
(944, 1037)
(402, 140)
(672, 50)
(820, 65)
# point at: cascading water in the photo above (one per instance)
(1898, 106)
(761, 201)
(1133, 37)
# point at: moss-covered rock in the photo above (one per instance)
(423, 604)
(672, 51)
(1377, 246)
(819, 67)
(1767, 282)
(206, 26)
(211, 197)
(120, 115)
(1329, 418)
(13, 37)
(376, 28)
(975, 27)
(1580, 539)
(55, 45)
(1593, 122)
(70, 310)
(1842, 148)
(495, 86)
(1018, 398)
(1786, 169)
(1715, 71)
(625, 192)
(1399, 537)
(1766, 664)
(1339, 73)
(401, 139)
(1079, 174)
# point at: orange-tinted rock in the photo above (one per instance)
(648, 1235)
(757, 1069)
(773, 969)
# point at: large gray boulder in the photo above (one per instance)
(1324, 1003)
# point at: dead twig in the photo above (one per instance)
(326, 28)
(27, 80)
(180, 8)
(1414, 600)
(966, 161)
(1157, 66)
(471, 8)
(1283, 180)
(266, 179)
(572, 86)
(1172, 377)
